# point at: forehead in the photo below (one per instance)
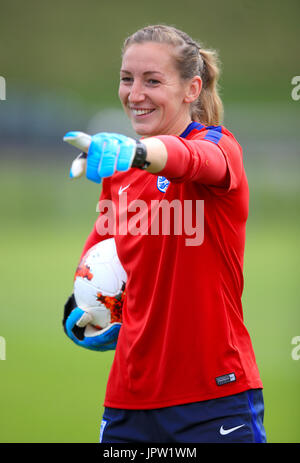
(148, 57)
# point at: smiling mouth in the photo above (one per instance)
(141, 112)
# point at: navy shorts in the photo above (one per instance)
(234, 419)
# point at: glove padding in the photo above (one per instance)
(108, 153)
(77, 328)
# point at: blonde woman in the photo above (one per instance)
(184, 368)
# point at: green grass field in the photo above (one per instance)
(51, 390)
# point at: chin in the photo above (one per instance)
(143, 131)
(146, 131)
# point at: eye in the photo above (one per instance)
(153, 82)
(126, 80)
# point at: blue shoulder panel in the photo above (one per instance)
(190, 127)
(214, 134)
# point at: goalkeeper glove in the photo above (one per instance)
(77, 328)
(107, 153)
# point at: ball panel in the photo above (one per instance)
(85, 294)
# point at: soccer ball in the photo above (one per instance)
(99, 284)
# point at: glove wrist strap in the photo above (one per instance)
(140, 156)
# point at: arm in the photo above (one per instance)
(199, 160)
(157, 154)
(209, 159)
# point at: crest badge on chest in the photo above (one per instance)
(162, 184)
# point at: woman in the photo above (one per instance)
(184, 368)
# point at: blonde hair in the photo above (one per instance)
(191, 60)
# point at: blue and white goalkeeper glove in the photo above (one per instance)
(106, 154)
(77, 328)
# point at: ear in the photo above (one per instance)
(193, 89)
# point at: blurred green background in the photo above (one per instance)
(60, 60)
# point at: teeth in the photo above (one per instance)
(141, 112)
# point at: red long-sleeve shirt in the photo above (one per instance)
(183, 337)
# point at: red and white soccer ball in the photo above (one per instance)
(99, 284)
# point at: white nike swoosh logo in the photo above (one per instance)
(223, 431)
(121, 189)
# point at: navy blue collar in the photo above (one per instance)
(193, 125)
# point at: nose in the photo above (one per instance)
(136, 94)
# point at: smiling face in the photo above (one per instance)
(153, 95)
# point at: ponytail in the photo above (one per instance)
(208, 108)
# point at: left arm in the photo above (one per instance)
(168, 155)
(196, 160)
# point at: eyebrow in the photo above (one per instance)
(144, 73)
